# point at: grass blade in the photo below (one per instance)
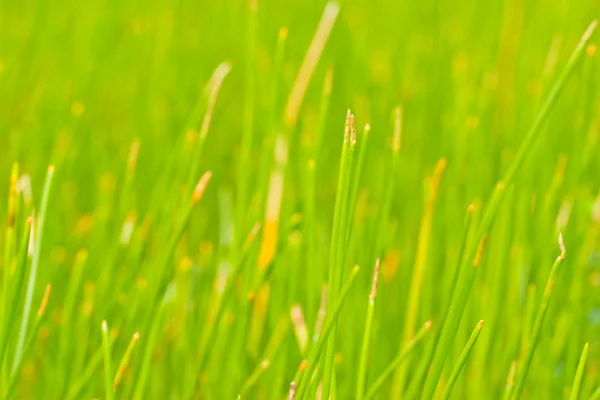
(338, 239)
(125, 361)
(305, 372)
(17, 285)
(108, 373)
(364, 354)
(39, 233)
(579, 374)
(397, 361)
(461, 361)
(523, 369)
(459, 299)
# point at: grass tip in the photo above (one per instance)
(352, 130)
(375, 279)
(471, 208)
(136, 336)
(427, 325)
(104, 325)
(51, 168)
(367, 128)
(561, 245)
(347, 125)
(355, 269)
(292, 392)
(589, 31)
(480, 324)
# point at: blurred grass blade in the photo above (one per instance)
(39, 234)
(31, 338)
(305, 372)
(467, 274)
(16, 286)
(364, 354)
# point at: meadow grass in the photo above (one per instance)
(188, 198)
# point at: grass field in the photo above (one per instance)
(289, 200)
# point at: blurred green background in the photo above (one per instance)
(79, 81)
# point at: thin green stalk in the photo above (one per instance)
(108, 373)
(17, 286)
(164, 277)
(467, 274)
(387, 373)
(9, 237)
(386, 202)
(414, 291)
(537, 325)
(362, 154)
(37, 249)
(29, 342)
(304, 374)
(212, 90)
(461, 361)
(364, 354)
(210, 331)
(338, 239)
(596, 394)
(125, 361)
(579, 374)
(272, 347)
(244, 167)
(80, 384)
(65, 349)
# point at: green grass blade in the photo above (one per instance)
(125, 361)
(387, 373)
(37, 249)
(364, 354)
(339, 239)
(467, 274)
(244, 167)
(304, 374)
(523, 369)
(579, 374)
(108, 371)
(27, 348)
(461, 361)
(17, 286)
